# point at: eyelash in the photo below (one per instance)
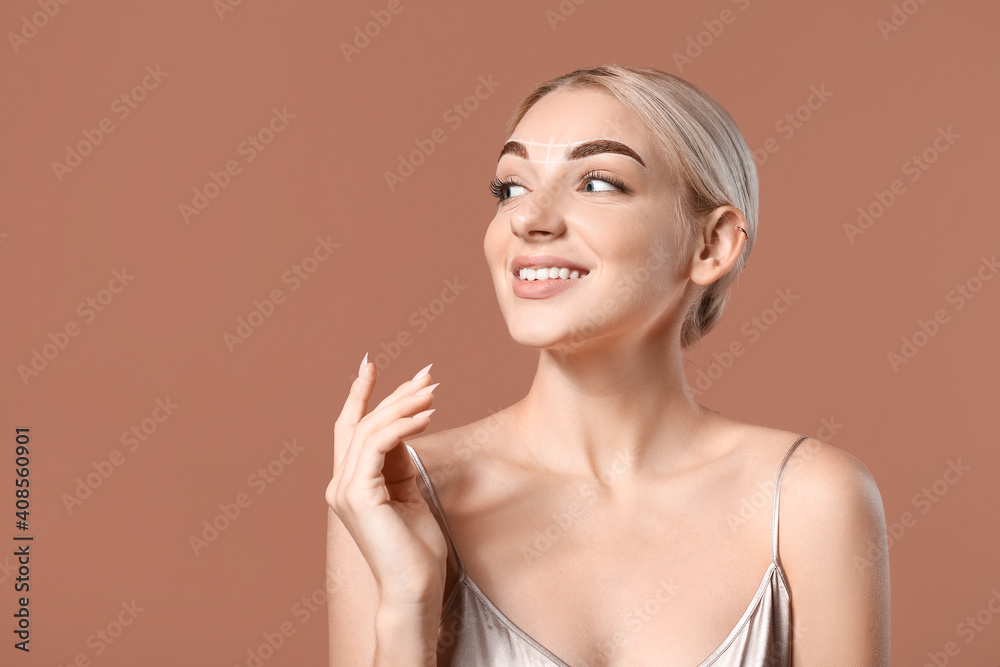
(498, 186)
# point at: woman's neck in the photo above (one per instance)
(610, 413)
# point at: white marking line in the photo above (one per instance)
(549, 160)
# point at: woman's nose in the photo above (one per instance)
(540, 216)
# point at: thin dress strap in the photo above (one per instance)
(436, 505)
(777, 490)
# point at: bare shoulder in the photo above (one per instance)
(834, 552)
(456, 457)
(828, 495)
(819, 480)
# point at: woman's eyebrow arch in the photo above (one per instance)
(578, 151)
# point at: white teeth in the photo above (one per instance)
(550, 273)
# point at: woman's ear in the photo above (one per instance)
(719, 245)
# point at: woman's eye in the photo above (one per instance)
(513, 190)
(502, 189)
(598, 185)
(598, 181)
(593, 182)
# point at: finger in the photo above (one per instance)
(400, 474)
(371, 488)
(378, 444)
(407, 388)
(353, 411)
(371, 424)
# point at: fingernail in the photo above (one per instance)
(428, 389)
(422, 372)
(425, 413)
(364, 364)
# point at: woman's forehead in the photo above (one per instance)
(581, 112)
(563, 120)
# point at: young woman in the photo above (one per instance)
(606, 518)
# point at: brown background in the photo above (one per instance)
(323, 176)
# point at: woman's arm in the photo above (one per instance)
(832, 545)
(358, 623)
(386, 560)
(352, 598)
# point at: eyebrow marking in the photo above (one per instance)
(580, 150)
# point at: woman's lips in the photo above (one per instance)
(542, 289)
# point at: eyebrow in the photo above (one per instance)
(585, 149)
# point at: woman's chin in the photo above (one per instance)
(537, 336)
(542, 337)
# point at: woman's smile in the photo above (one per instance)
(541, 276)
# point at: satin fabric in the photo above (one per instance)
(473, 632)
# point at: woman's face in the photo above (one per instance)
(582, 187)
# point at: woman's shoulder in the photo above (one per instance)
(464, 456)
(832, 538)
(819, 480)
(833, 549)
(816, 471)
(827, 495)
(461, 442)
(828, 483)
(832, 542)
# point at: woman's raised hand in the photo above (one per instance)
(374, 490)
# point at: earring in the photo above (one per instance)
(744, 232)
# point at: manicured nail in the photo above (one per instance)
(428, 389)
(425, 413)
(422, 372)
(364, 365)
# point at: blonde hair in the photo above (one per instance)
(704, 148)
